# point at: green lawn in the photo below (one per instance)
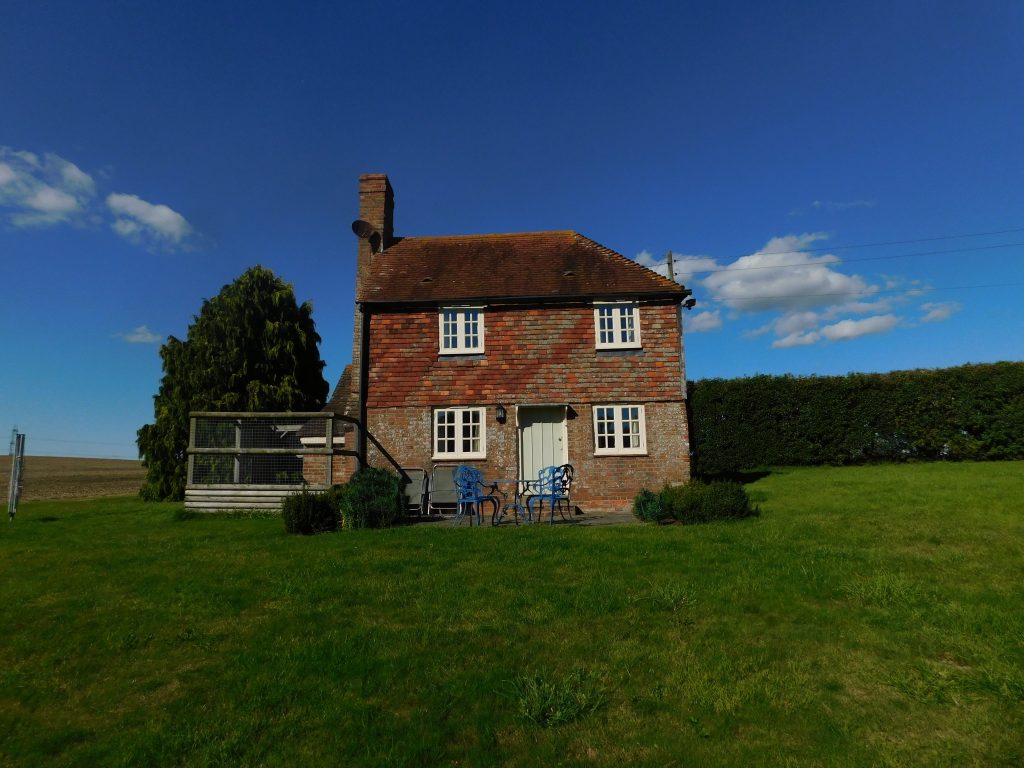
(870, 616)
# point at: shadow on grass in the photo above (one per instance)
(743, 477)
(182, 515)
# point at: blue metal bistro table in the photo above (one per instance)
(515, 499)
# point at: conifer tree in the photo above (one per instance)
(250, 348)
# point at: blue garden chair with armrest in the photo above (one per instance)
(553, 485)
(472, 492)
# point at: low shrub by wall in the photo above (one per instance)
(371, 499)
(309, 512)
(695, 502)
(968, 412)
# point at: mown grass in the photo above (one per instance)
(869, 616)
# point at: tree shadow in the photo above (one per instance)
(743, 477)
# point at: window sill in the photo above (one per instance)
(446, 458)
(460, 355)
(618, 351)
(606, 454)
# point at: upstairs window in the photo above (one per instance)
(619, 429)
(461, 330)
(617, 325)
(459, 433)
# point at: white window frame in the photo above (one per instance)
(615, 311)
(461, 419)
(462, 322)
(621, 416)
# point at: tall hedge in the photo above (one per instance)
(968, 412)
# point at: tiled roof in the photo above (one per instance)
(341, 402)
(519, 265)
(341, 399)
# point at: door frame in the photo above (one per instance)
(519, 432)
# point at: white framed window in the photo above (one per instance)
(617, 325)
(459, 433)
(619, 429)
(461, 330)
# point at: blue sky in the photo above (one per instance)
(798, 157)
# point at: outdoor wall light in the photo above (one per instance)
(501, 414)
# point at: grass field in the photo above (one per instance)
(52, 477)
(870, 616)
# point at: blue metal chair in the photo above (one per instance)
(553, 485)
(472, 492)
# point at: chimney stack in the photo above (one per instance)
(376, 208)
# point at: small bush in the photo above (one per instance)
(308, 513)
(726, 501)
(695, 502)
(371, 499)
(648, 507)
(684, 502)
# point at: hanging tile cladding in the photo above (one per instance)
(535, 354)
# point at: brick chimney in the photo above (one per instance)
(377, 208)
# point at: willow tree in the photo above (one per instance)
(251, 348)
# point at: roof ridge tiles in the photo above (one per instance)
(488, 235)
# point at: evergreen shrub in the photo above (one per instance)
(695, 502)
(371, 499)
(647, 506)
(309, 512)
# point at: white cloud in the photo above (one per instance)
(140, 335)
(684, 268)
(40, 192)
(704, 321)
(937, 311)
(47, 190)
(807, 298)
(797, 340)
(784, 277)
(795, 322)
(859, 308)
(845, 330)
(833, 206)
(138, 220)
(49, 200)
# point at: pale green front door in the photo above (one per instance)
(542, 439)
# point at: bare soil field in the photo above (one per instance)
(52, 477)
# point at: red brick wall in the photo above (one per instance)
(532, 355)
(314, 468)
(602, 482)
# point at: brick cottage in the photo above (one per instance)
(512, 352)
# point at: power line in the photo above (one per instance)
(896, 242)
(85, 442)
(90, 456)
(865, 292)
(846, 261)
